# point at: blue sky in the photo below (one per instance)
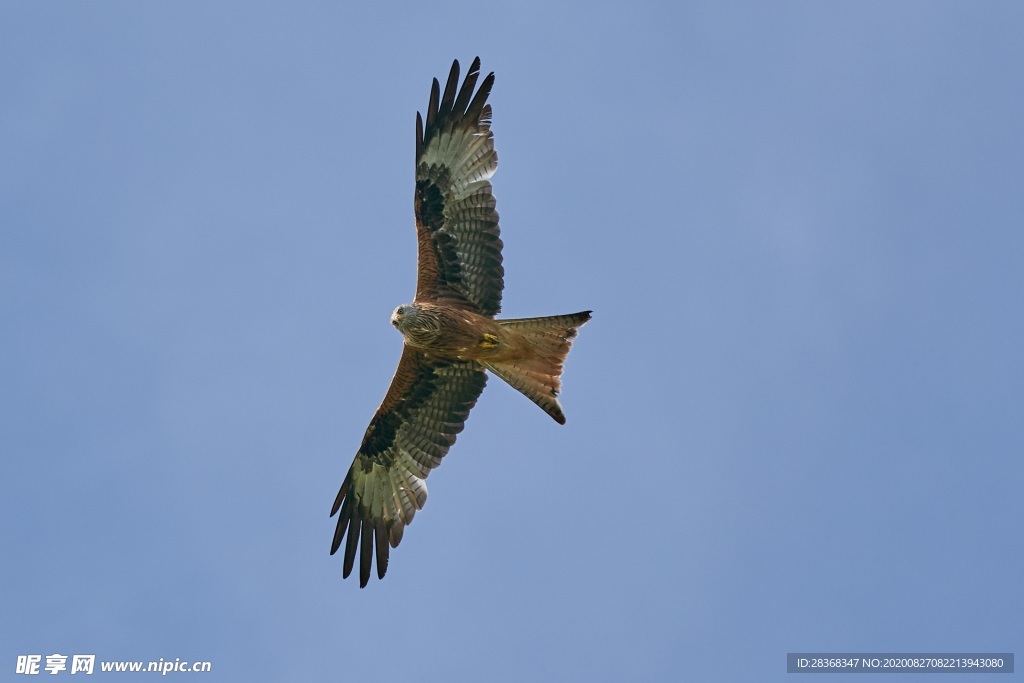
(794, 423)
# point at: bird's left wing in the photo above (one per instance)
(456, 222)
(425, 408)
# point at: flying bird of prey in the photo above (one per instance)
(451, 335)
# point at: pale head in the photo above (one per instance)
(404, 317)
(420, 325)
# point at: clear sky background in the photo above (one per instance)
(795, 423)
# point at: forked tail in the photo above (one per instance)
(538, 372)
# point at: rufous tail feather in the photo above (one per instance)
(537, 374)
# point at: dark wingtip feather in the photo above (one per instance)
(343, 504)
(475, 109)
(343, 521)
(350, 548)
(435, 94)
(466, 92)
(419, 136)
(365, 553)
(341, 493)
(381, 536)
(448, 108)
(449, 90)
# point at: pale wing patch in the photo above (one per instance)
(456, 208)
(407, 438)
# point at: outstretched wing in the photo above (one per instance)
(426, 406)
(456, 224)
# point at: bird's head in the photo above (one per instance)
(404, 317)
(420, 325)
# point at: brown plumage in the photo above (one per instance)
(451, 336)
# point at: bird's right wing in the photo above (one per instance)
(425, 408)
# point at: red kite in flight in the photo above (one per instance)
(451, 336)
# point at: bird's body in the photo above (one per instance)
(451, 335)
(448, 331)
